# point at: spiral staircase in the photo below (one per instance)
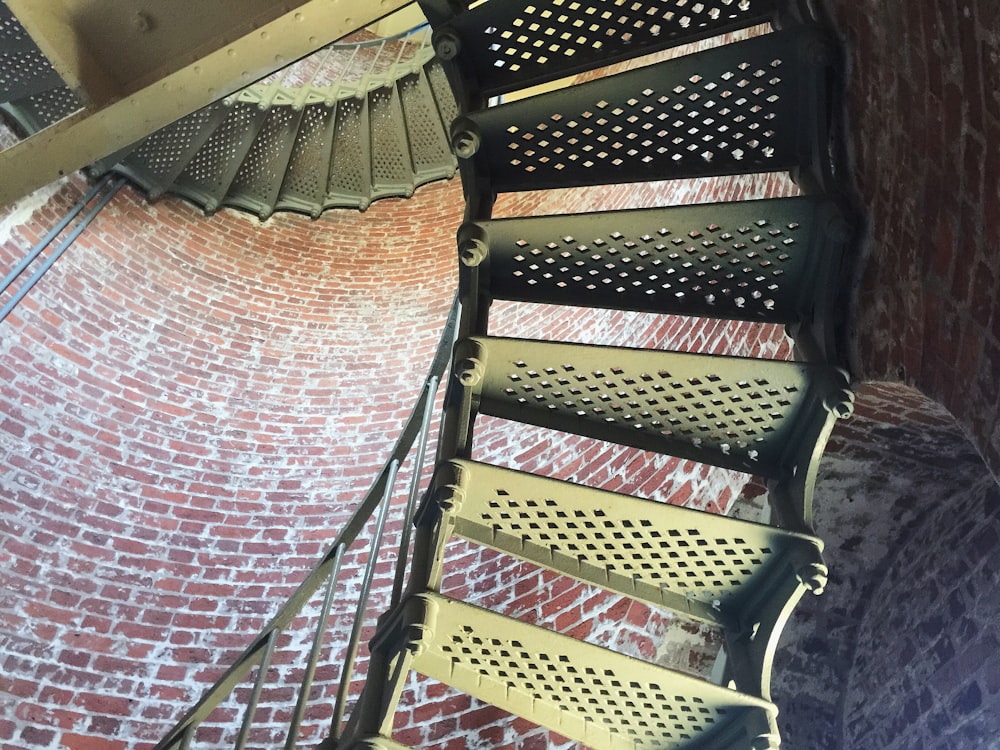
(302, 140)
(765, 104)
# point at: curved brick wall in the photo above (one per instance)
(190, 409)
(908, 622)
(183, 394)
(924, 90)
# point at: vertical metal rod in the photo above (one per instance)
(317, 646)
(47, 239)
(359, 615)
(258, 687)
(411, 502)
(403, 43)
(57, 253)
(188, 737)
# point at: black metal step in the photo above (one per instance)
(753, 106)
(24, 69)
(502, 46)
(765, 417)
(769, 261)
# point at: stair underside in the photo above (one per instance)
(751, 415)
(305, 150)
(699, 564)
(598, 697)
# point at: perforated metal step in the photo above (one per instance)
(207, 177)
(745, 414)
(391, 168)
(754, 106)
(426, 129)
(699, 564)
(38, 111)
(769, 261)
(744, 577)
(258, 181)
(590, 694)
(158, 160)
(501, 46)
(24, 69)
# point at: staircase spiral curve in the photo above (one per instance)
(351, 124)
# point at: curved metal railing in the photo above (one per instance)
(342, 69)
(376, 502)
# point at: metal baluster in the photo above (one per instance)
(53, 233)
(317, 645)
(57, 253)
(258, 686)
(352, 646)
(418, 465)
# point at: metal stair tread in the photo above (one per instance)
(263, 170)
(591, 694)
(24, 69)
(497, 41)
(766, 417)
(703, 565)
(769, 261)
(158, 160)
(752, 106)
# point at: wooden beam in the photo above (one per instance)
(167, 92)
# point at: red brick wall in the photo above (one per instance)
(924, 89)
(191, 408)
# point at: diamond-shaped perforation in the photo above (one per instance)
(519, 42)
(651, 714)
(428, 146)
(214, 160)
(348, 174)
(158, 154)
(390, 162)
(263, 164)
(727, 117)
(748, 269)
(708, 567)
(706, 403)
(309, 163)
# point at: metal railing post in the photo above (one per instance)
(317, 645)
(359, 617)
(258, 686)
